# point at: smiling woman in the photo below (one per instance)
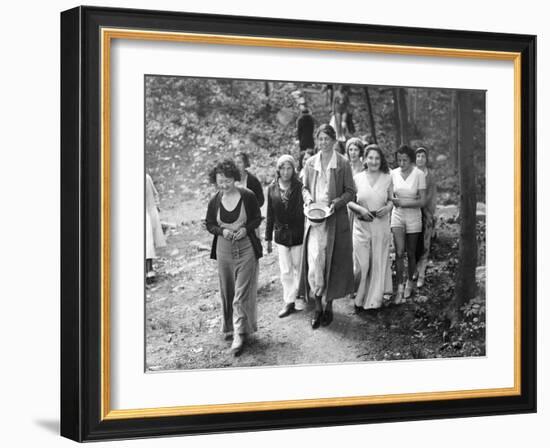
(233, 216)
(371, 232)
(327, 260)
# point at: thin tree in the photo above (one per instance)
(371, 116)
(404, 116)
(396, 117)
(453, 130)
(401, 115)
(467, 253)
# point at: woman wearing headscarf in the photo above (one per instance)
(327, 263)
(428, 213)
(354, 151)
(285, 216)
(233, 216)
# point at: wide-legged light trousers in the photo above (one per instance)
(289, 265)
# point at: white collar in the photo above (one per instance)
(331, 164)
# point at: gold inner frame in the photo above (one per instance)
(107, 35)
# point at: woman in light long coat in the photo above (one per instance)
(327, 179)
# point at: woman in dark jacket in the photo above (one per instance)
(285, 214)
(233, 216)
(248, 180)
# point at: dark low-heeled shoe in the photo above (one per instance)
(316, 320)
(327, 318)
(287, 310)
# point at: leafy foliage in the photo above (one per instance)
(191, 122)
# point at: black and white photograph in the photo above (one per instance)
(293, 223)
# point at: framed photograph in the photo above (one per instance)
(278, 224)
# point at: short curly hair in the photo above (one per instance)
(226, 167)
(407, 150)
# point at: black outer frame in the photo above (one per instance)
(81, 223)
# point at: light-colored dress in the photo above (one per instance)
(428, 221)
(355, 170)
(154, 237)
(371, 243)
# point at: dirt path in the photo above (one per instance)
(183, 313)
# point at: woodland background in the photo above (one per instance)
(192, 122)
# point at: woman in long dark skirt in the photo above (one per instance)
(233, 216)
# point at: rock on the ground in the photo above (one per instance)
(199, 246)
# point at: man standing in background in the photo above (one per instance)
(304, 128)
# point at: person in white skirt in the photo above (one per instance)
(154, 236)
(428, 215)
(285, 219)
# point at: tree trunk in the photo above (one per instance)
(371, 117)
(397, 118)
(453, 131)
(467, 253)
(402, 115)
(266, 88)
(414, 103)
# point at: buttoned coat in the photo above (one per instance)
(339, 279)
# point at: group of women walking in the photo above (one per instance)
(331, 224)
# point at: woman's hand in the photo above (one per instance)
(383, 211)
(367, 216)
(239, 234)
(396, 202)
(227, 234)
(269, 247)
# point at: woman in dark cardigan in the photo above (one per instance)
(285, 214)
(248, 180)
(233, 216)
